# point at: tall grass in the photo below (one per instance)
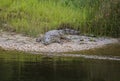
(32, 17)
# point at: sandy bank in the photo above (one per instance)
(12, 41)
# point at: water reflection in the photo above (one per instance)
(60, 70)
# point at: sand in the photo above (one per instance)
(13, 41)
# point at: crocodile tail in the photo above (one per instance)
(71, 31)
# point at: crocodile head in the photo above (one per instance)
(47, 41)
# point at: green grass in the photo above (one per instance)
(99, 17)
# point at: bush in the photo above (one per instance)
(33, 17)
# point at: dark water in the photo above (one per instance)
(50, 69)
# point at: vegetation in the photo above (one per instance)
(32, 17)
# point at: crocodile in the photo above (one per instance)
(55, 36)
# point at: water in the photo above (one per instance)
(20, 66)
(60, 69)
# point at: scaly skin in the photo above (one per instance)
(54, 36)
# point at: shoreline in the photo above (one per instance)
(13, 41)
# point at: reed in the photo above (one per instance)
(33, 17)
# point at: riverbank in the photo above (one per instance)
(13, 41)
